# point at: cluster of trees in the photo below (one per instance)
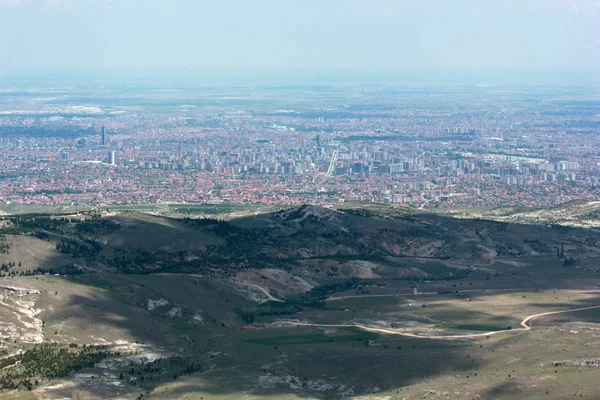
(162, 369)
(289, 307)
(97, 226)
(5, 267)
(47, 361)
(4, 247)
(5, 270)
(68, 268)
(570, 262)
(567, 261)
(41, 235)
(40, 225)
(33, 222)
(138, 262)
(247, 316)
(317, 295)
(142, 262)
(221, 228)
(86, 249)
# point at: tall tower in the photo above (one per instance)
(319, 143)
(112, 157)
(103, 137)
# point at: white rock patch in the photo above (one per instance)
(152, 304)
(174, 312)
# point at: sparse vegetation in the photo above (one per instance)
(405, 272)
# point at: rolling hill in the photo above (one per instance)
(134, 304)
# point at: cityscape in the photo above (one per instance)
(420, 145)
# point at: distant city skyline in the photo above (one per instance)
(38, 35)
(414, 145)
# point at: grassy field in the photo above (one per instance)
(29, 253)
(295, 361)
(345, 335)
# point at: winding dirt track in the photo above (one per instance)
(525, 326)
(362, 296)
(263, 291)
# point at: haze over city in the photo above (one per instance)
(382, 34)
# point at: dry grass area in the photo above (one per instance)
(134, 315)
(32, 253)
(145, 232)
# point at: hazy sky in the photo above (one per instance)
(406, 34)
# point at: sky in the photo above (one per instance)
(39, 35)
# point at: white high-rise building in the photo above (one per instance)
(112, 157)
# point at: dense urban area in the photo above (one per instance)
(422, 145)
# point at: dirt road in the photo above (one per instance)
(525, 326)
(263, 290)
(359, 296)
